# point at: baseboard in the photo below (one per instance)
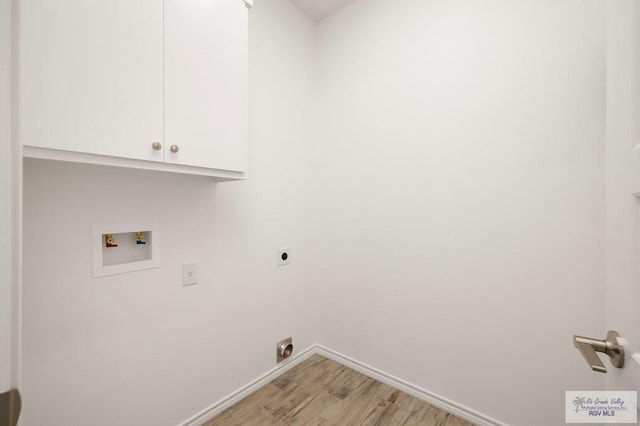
(429, 397)
(237, 396)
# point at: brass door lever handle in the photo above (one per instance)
(610, 346)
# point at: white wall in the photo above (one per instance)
(5, 196)
(139, 348)
(461, 229)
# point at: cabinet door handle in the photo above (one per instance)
(157, 146)
(174, 148)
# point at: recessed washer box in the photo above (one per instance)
(118, 249)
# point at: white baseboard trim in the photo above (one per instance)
(237, 396)
(438, 401)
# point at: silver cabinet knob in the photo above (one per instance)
(174, 148)
(157, 146)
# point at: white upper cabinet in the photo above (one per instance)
(206, 74)
(137, 83)
(91, 76)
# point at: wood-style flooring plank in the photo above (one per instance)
(322, 392)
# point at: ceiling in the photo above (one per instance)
(319, 9)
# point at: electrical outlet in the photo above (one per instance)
(284, 256)
(189, 273)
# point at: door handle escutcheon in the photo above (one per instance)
(610, 346)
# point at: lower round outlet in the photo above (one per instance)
(284, 349)
(286, 352)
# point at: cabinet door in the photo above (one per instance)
(91, 76)
(206, 95)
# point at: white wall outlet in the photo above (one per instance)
(284, 256)
(189, 273)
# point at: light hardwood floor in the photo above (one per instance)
(319, 391)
